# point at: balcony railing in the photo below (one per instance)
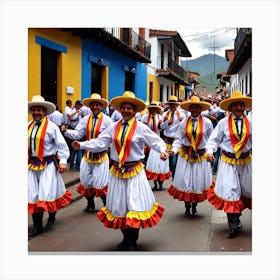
(131, 39)
(168, 64)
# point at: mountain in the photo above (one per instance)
(205, 64)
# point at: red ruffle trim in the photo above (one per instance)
(117, 222)
(186, 196)
(228, 206)
(50, 206)
(158, 176)
(92, 191)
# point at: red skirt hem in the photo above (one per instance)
(228, 206)
(92, 191)
(117, 222)
(186, 196)
(157, 176)
(50, 206)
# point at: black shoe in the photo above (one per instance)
(160, 185)
(89, 208)
(187, 212)
(36, 231)
(51, 219)
(232, 233)
(155, 185)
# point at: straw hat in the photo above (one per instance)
(95, 97)
(194, 100)
(172, 99)
(154, 104)
(38, 100)
(128, 97)
(236, 96)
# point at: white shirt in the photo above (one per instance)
(54, 142)
(142, 135)
(181, 138)
(80, 129)
(56, 117)
(221, 137)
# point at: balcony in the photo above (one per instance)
(242, 50)
(169, 69)
(122, 40)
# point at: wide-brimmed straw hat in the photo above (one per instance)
(173, 99)
(38, 100)
(128, 97)
(194, 100)
(95, 97)
(154, 104)
(236, 96)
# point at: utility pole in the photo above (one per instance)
(214, 47)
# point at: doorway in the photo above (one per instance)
(49, 59)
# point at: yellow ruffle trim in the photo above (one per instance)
(186, 156)
(236, 161)
(126, 172)
(103, 158)
(37, 167)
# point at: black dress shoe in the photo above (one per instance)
(36, 231)
(232, 233)
(187, 212)
(50, 221)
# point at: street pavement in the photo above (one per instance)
(77, 232)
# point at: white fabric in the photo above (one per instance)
(155, 164)
(55, 142)
(192, 177)
(170, 129)
(56, 117)
(141, 136)
(181, 139)
(232, 180)
(67, 111)
(221, 137)
(91, 174)
(80, 129)
(116, 116)
(85, 111)
(46, 184)
(133, 194)
(94, 175)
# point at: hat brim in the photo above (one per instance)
(185, 105)
(102, 101)
(154, 106)
(225, 104)
(172, 102)
(118, 101)
(50, 107)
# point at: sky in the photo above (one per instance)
(201, 41)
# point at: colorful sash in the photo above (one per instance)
(93, 132)
(194, 141)
(168, 115)
(238, 144)
(39, 138)
(155, 124)
(124, 150)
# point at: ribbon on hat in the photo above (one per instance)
(124, 150)
(39, 138)
(237, 143)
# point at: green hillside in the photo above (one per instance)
(209, 81)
